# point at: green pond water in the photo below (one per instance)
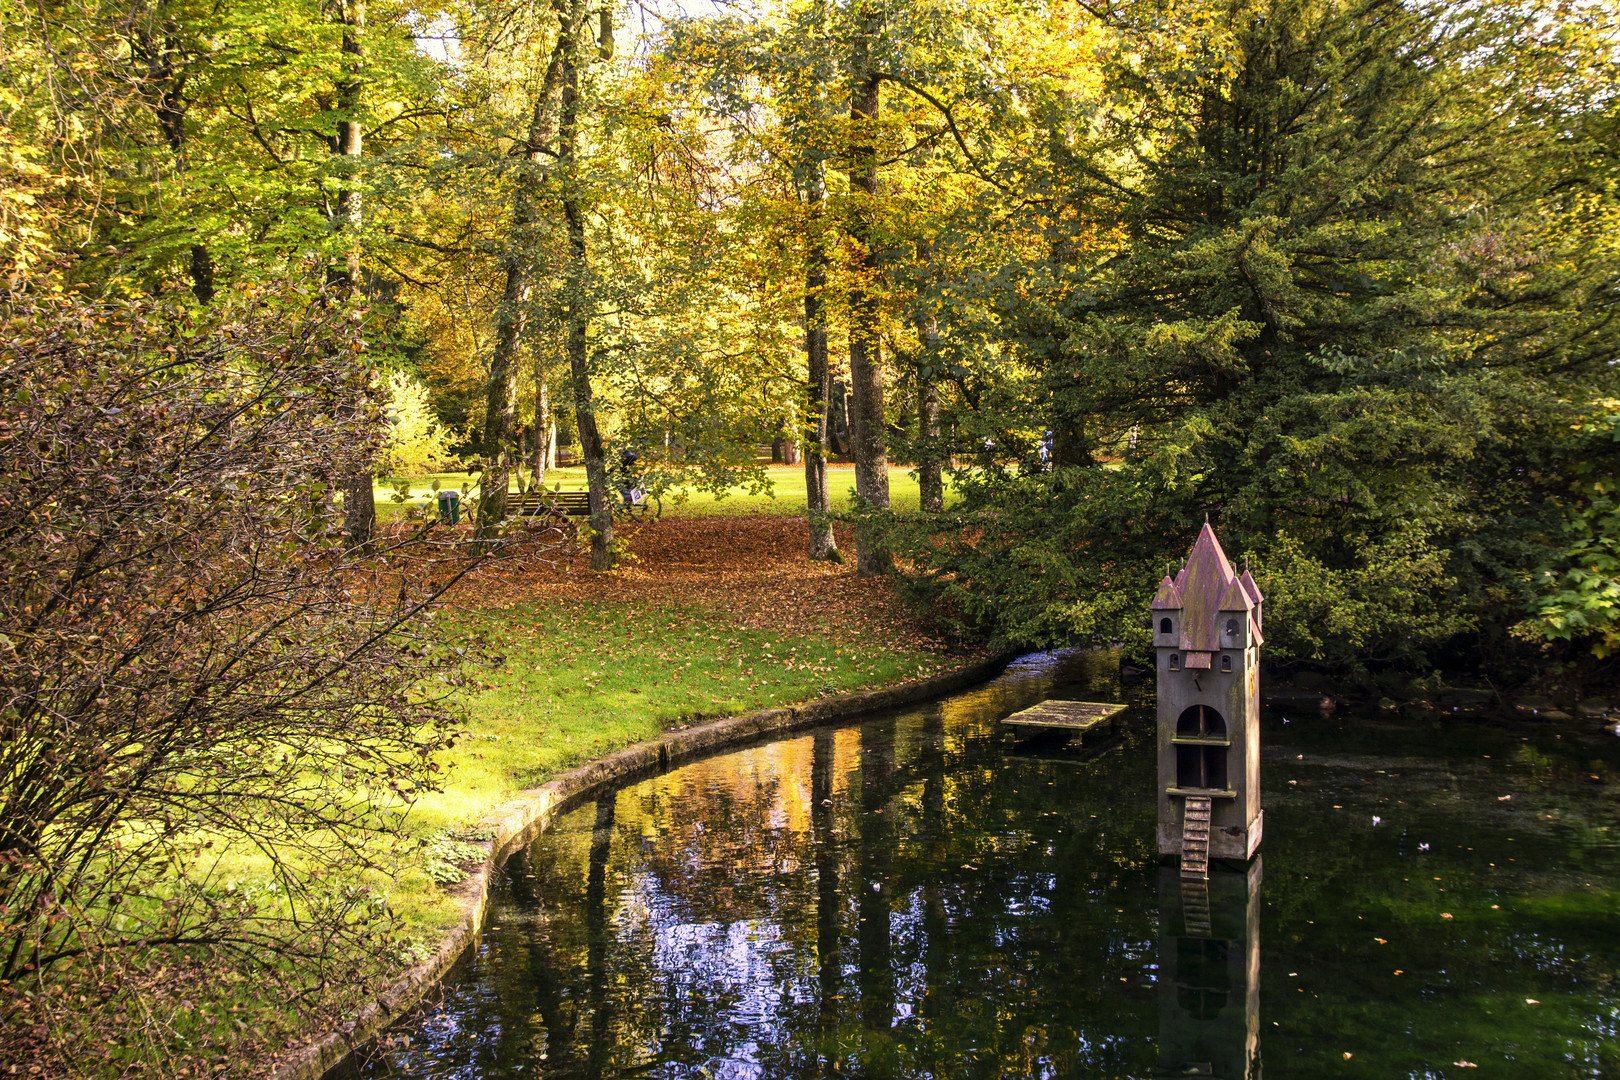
(911, 896)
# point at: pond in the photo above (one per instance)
(909, 896)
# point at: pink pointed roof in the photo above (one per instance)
(1250, 587)
(1202, 583)
(1235, 597)
(1168, 597)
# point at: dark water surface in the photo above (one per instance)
(907, 897)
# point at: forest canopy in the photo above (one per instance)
(1338, 276)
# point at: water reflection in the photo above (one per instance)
(906, 897)
(1209, 973)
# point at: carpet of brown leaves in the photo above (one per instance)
(753, 567)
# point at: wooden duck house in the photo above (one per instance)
(1207, 634)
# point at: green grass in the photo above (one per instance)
(785, 497)
(578, 680)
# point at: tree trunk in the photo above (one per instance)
(171, 109)
(821, 543)
(577, 301)
(511, 315)
(1069, 443)
(930, 473)
(359, 498)
(500, 411)
(545, 432)
(838, 418)
(930, 480)
(867, 432)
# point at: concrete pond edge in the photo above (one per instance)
(517, 822)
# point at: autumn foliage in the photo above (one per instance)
(211, 707)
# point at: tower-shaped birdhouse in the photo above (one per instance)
(1207, 633)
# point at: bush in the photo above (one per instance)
(210, 704)
(416, 443)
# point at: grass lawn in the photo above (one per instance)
(786, 494)
(716, 615)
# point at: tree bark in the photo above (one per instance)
(577, 300)
(930, 478)
(821, 543)
(930, 471)
(511, 315)
(170, 109)
(545, 430)
(359, 498)
(868, 435)
(500, 411)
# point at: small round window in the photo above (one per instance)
(1226, 663)
(1175, 661)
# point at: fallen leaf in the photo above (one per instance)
(1465, 1064)
(1347, 1055)
(1380, 941)
(1445, 914)
(1531, 1001)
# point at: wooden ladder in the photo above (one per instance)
(1195, 837)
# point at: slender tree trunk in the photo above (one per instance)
(545, 432)
(359, 498)
(500, 411)
(349, 91)
(511, 315)
(577, 301)
(821, 544)
(930, 478)
(930, 473)
(171, 108)
(868, 435)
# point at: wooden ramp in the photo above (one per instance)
(1065, 719)
(1195, 837)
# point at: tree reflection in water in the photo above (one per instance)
(907, 898)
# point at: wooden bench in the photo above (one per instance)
(554, 503)
(545, 503)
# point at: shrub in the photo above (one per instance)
(210, 705)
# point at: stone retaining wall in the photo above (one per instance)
(517, 822)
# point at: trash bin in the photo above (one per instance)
(450, 507)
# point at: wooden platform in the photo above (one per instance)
(1065, 718)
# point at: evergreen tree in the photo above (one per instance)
(1347, 315)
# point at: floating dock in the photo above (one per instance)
(1065, 719)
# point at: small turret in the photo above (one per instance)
(1207, 633)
